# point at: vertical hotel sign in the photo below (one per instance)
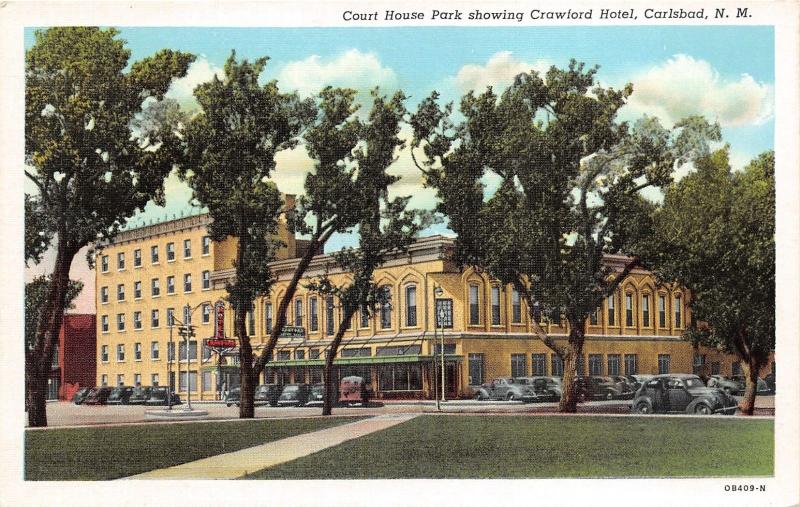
(219, 320)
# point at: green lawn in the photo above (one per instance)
(467, 447)
(119, 451)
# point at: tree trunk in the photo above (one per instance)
(48, 326)
(750, 368)
(247, 386)
(330, 383)
(569, 401)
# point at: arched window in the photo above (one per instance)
(411, 305)
(629, 309)
(678, 311)
(612, 312)
(386, 308)
(495, 305)
(646, 310)
(474, 305)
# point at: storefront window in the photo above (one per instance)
(476, 362)
(400, 377)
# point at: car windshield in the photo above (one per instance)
(524, 381)
(693, 382)
(290, 388)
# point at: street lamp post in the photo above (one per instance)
(170, 358)
(186, 331)
(439, 312)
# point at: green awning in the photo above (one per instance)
(344, 361)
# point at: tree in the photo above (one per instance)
(386, 226)
(231, 146)
(570, 179)
(90, 172)
(715, 234)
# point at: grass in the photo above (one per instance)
(468, 447)
(120, 451)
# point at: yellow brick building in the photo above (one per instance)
(148, 272)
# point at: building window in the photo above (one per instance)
(104, 353)
(611, 312)
(444, 313)
(698, 363)
(251, 321)
(495, 306)
(206, 276)
(154, 379)
(192, 351)
(594, 317)
(400, 377)
(104, 380)
(137, 258)
(121, 292)
(663, 364)
(154, 318)
(206, 381)
(121, 260)
(516, 307)
(411, 305)
(519, 368)
(715, 367)
(187, 248)
(170, 317)
(736, 369)
(268, 317)
(580, 366)
(613, 364)
(137, 290)
(104, 295)
(475, 369)
(120, 352)
(298, 312)
(170, 252)
(137, 320)
(206, 245)
(192, 381)
(120, 322)
(595, 364)
(474, 306)
(284, 355)
(206, 313)
(631, 364)
(155, 289)
(170, 351)
(104, 323)
(678, 308)
(329, 315)
(555, 316)
(206, 353)
(646, 311)
(662, 311)
(386, 308)
(154, 254)
(121, 379)
(171, 285)
(356, 352)
(104, 263)
(629, 310)
(137, 351)
(187, 282)
(153, 350)
(538, 364)
(313, 314)
(364, 316)
(556, 366)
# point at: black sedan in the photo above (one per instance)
(97, 396)
(294, 394)
(158, 397)
(139, 396)
(120, 395)
(80, 395)
(681, 393)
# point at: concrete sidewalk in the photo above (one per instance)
(237, 464)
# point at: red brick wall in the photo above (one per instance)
(77, 353)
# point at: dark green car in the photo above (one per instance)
(683, 394)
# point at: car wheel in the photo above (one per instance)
(702, 409)
(727, 391)
(229, 404)
(478, 397)
(609, 395)
(510, 397)
(643, 407)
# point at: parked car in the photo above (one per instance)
(505, 388)
(294, 394)
(681, 393)
(353, 389)
(80, 395)
(626, 387)
(728, 384)
(770, 381)
(762, 387)
(544, 388)
(97, 396)
(267, 394)
(139, 395)
(641, 379)
(634, 383)
(120, 395)
(233, 396)
(158, 396)
(596, 388)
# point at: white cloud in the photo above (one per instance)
(498, 72)
(684, 86)
(352, 69)
(200, 71)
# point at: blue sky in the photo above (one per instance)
(723, 72)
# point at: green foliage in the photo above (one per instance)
(231, 147)
(715, 234)
(35, 297)
(569, 175)
(80, 100)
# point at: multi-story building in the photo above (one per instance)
(73, 363)
(150, 272)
